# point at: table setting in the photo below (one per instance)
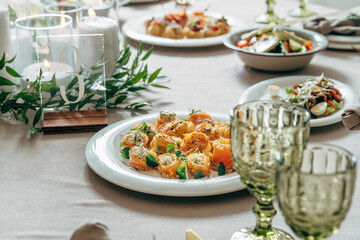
(179, 120)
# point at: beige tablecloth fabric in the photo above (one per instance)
(47, 189)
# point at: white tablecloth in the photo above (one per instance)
(47, 189)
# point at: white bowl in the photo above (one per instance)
(276, 61)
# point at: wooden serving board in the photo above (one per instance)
(74, 121)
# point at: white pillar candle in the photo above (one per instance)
(90, 50)
(5, 41)
(31, 72)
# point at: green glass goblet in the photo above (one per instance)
(269, 17)
(302, 11)
(259, 129)
(315, 188)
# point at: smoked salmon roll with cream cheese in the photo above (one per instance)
(197, 117)
(195, 142)
(209, 130)
(164, 117)
(168, 164)
(160, 142)
(222, 153)
(198, 162)
(177, 128)
(135, 138)
(138, 156)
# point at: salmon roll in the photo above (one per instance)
(196, 141)
(168, 164)
(160, 142)
(146, 128)
(138, 156)
(164, 117)
(198, 162)
(209, 130)
(224, 129)
(135, 138)
(177, 128)
(222, 153)
(197, 117)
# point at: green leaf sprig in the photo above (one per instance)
(130, 77)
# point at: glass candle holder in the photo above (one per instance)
(6, 48)
(315, 185)
(64, 8)
(28, 28)
(102, 19)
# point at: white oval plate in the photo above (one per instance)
(135, 29)
(103, 156)
(259, 92)
(343, 46)
(343, 39)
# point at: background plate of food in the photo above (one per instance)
(182, 29)
(106, 155)
(325, 104)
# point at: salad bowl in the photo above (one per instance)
(277, 62)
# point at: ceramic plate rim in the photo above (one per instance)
(138, 33)
(97, 156)
(342, 46)
(290, 80)
(343, 39)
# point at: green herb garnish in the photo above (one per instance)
(144, 127)
(181, 171)
(199, 174)
(221, 169)
(151, 161)
(178, 153)
(121, 144)
(295, 100)
(170, 148)
(125, 153)
(289, 91)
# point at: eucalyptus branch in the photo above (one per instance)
(130, 76)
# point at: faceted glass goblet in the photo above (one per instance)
(269, 17)
(315, 188)
(259, 129)
(302, 11)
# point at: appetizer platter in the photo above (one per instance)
(324, 98)
(182, 29)
(106, 156)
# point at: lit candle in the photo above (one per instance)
(5, 41)
(90, 51)
(61, 71)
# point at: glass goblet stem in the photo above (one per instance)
(270, 6)
(303, 4)
(264, 212)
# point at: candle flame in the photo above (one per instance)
(46, 64)
(62, 21)
(91, 13)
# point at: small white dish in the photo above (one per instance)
(259, 92)
(135, 29)
(104, 158)
(277, 62)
